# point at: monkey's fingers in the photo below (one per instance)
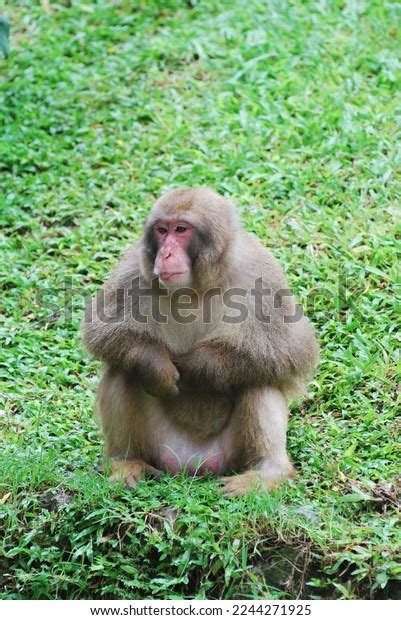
(152, 472)
(183, 386)
(147, 471)
(242, 484)
(131, 471)
(173, 391)
(233, 486)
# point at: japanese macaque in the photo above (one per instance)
(203, 344)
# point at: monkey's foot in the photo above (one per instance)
(251, 480)
(130, 472)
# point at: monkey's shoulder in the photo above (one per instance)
(254, 261)
(128, 268)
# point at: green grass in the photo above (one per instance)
(292, 108)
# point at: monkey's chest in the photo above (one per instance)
(187, 326)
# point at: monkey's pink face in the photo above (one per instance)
(173, 263)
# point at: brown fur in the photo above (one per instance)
(203, 387)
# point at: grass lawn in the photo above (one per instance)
(291, 108)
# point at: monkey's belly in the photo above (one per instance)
(172, 449)
(202, 415)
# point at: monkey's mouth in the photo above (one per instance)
(166, 276)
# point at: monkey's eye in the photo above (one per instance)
(181, 229)
(162, 230)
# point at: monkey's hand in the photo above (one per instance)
(203, 368)
(157, 373)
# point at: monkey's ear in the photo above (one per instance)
(202, 245)
(206, 238)
(150, 243)
(148, 251)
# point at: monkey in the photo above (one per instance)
(188, 383)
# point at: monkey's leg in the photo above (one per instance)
(263, 416)
(122, 408)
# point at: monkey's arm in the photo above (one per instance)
(283, 360)
(123, 344)
(220, 366)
